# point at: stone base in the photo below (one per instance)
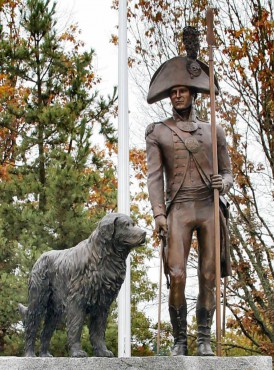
(138, 363)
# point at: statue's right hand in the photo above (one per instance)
(161, 224)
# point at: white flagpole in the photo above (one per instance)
(124, 319)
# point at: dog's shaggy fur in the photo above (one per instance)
(79, 281)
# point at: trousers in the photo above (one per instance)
(183, 219)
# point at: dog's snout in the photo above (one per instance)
(144, 234)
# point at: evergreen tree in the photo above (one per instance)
(49, 108)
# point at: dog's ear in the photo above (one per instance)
(107, 227)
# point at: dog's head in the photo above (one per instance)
(118, 229)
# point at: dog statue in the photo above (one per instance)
(83, 280)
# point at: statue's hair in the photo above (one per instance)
(87, 266)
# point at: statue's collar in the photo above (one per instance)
(186, 125)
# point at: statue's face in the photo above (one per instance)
(180, 97)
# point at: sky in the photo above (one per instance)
(97, 21)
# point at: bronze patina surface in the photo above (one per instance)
(180, 185)
(79, 283)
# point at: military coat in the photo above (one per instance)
(168, 161)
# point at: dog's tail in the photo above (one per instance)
(23, 311)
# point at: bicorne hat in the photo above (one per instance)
(182, 71)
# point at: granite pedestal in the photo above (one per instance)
(138, 363)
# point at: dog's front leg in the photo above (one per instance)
(75, 321)
(97, 328)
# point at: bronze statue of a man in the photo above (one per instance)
(180, 185)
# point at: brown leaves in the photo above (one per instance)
(138, 160)
(267, 348)
(114, 39)
(71, 35)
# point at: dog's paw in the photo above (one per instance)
(78, 353)
(30, 354)
(103, 353)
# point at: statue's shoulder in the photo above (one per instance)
(202, 120)
(205, 124)
(150, 128)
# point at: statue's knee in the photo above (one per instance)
(208, 277)
(177, 277)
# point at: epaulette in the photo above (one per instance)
(150, 128)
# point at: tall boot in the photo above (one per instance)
(204, 321)
(179, 324)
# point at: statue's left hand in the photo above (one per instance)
(217, 182)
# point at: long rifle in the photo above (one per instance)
(211, 42)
